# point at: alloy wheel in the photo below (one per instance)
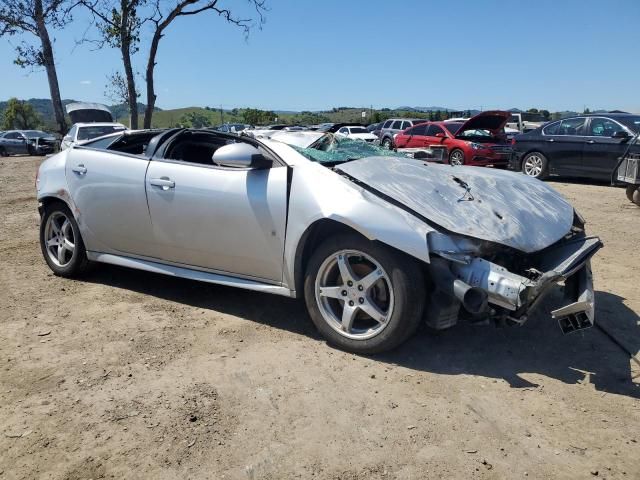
(59, 239)
(354, 294)
(533, 166)
(457, 158)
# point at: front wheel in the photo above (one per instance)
(362, 296)
(386, 143)
(535, 165)
(61, 243)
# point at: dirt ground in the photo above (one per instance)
(126, 374)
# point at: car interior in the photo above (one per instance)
(195, 147)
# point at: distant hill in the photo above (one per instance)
(44, 108)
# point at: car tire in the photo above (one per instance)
(630, 190)
(387, 143)
(636, 197)
(456, 157)
(3, 152)
(535, 164)
(384, 282)
(61, 242)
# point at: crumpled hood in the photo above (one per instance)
(494, 205)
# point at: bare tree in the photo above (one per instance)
(35, 17)
(119, 23)
(163, 17)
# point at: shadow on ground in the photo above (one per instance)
(537, 347)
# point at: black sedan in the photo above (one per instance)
(582, 146)
(31, 142)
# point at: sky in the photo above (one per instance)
(315, 55)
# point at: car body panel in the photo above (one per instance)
(230, 220)
(110, 201)
(482, 204)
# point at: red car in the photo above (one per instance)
(478, 141)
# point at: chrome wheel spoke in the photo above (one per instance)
(67, 245)
(61, 254)
(53, 242)
(345, 269)
(66, 226)
(332, 292)
(348, 314)
(373, 311)
(368, 281)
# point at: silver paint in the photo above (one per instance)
(515, 211)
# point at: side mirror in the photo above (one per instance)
(440, 135)
(66, 138)
(620, 134)
(240, 155)
(23, 139)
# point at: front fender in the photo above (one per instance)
(319, 193)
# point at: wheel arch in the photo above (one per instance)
(48, 200)
(312, 237)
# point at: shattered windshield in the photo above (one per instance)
(332, 149)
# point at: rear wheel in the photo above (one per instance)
(535, 165)
(456, 157)
(387, 143)
(3, 152)
(636, 197)
(362, 296)
(61, 243)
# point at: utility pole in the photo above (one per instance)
(221, 115)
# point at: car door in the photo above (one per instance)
(601, 149)
(564, 148)
(16, 143)
(435, 135)
(417, 136)
(231, 220)
(108, 191)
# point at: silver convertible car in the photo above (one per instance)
(374, 241)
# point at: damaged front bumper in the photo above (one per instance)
(511, 297)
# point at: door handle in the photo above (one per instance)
(551, 140)
(79, 169)
(591, 141)
(163, 182)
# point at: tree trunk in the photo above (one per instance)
(125, 48)
(50, 66)
(151, 65)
